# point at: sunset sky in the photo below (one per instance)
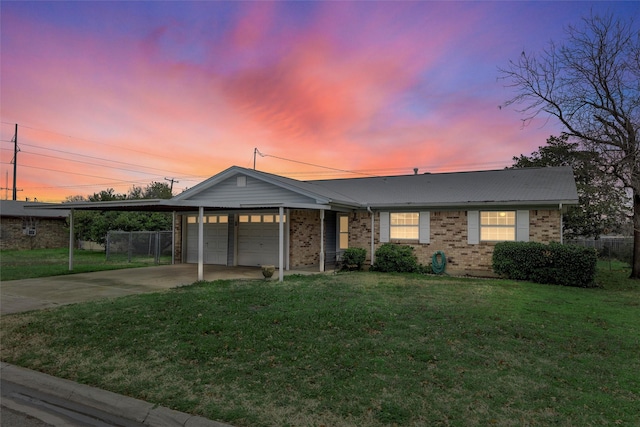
(116, 94)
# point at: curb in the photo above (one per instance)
(85, 401)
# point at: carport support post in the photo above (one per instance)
(321, 240)
(71, 240)
(200, 243)
(281, 245)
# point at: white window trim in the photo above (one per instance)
(521, 226)
(340, 233)
(424, 227)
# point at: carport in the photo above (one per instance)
(175, 206)
(251, 204)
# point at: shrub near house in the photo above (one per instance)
(557, 264)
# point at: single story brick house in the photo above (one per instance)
(246, 217)
(23, 227)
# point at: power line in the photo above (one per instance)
(380, 172)
(94, 142)
(311, 164)
(164, 171)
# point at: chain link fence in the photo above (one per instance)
(619, 248)
(139, 246)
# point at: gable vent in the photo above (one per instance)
(241, 181)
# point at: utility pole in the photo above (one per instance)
(15, 163)
(171, 180)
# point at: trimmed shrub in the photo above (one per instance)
(566, 265)
(396, 258)
(353, 258)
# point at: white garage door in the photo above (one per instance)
(215, 229)
(258, 240)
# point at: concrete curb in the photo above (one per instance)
(105, 406)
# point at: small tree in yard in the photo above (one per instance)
(602, 202)
(591, 84)
(94, 225)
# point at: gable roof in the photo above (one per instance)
(550, 186)
(307, 189)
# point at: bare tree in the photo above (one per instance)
(591, 84)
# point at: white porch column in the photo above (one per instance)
(72, 239)
(281, 245)
(321, 240)
(287, 242)
(173, 237)
(201, 243)
(373, 236)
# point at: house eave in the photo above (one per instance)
(475, 204)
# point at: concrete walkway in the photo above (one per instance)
(35, 294)
(58, 402)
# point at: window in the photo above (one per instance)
(258, 218)
(498, 226)
(343, 232)
(405, 225)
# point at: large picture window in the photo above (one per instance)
(498, 226)
(404, 225)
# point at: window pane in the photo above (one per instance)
(267, 218)
(498, 218)
(244, 218)
(411, 218)
(256, 218)
(192, 220)
(404, 232)
(211, 219)
(344, 223)
(223, 219)
(498, 233)
(344, 241)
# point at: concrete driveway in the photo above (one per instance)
(35, 294)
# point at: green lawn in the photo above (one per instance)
(356, 349)
(53, 262)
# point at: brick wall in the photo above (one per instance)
(177, 239)
(304, 238)
(544, 226)
(449, 234)
(50, 233)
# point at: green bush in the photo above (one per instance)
(353, 257)
(566, 265)
(396, 258)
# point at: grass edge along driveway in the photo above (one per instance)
(361, 349)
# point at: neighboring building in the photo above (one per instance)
(255, 218)
(23, 227)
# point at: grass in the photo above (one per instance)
(355, 349)
(16, 265)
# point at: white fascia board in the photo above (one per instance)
(473, 205)
(111, 204)
(196, 204)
